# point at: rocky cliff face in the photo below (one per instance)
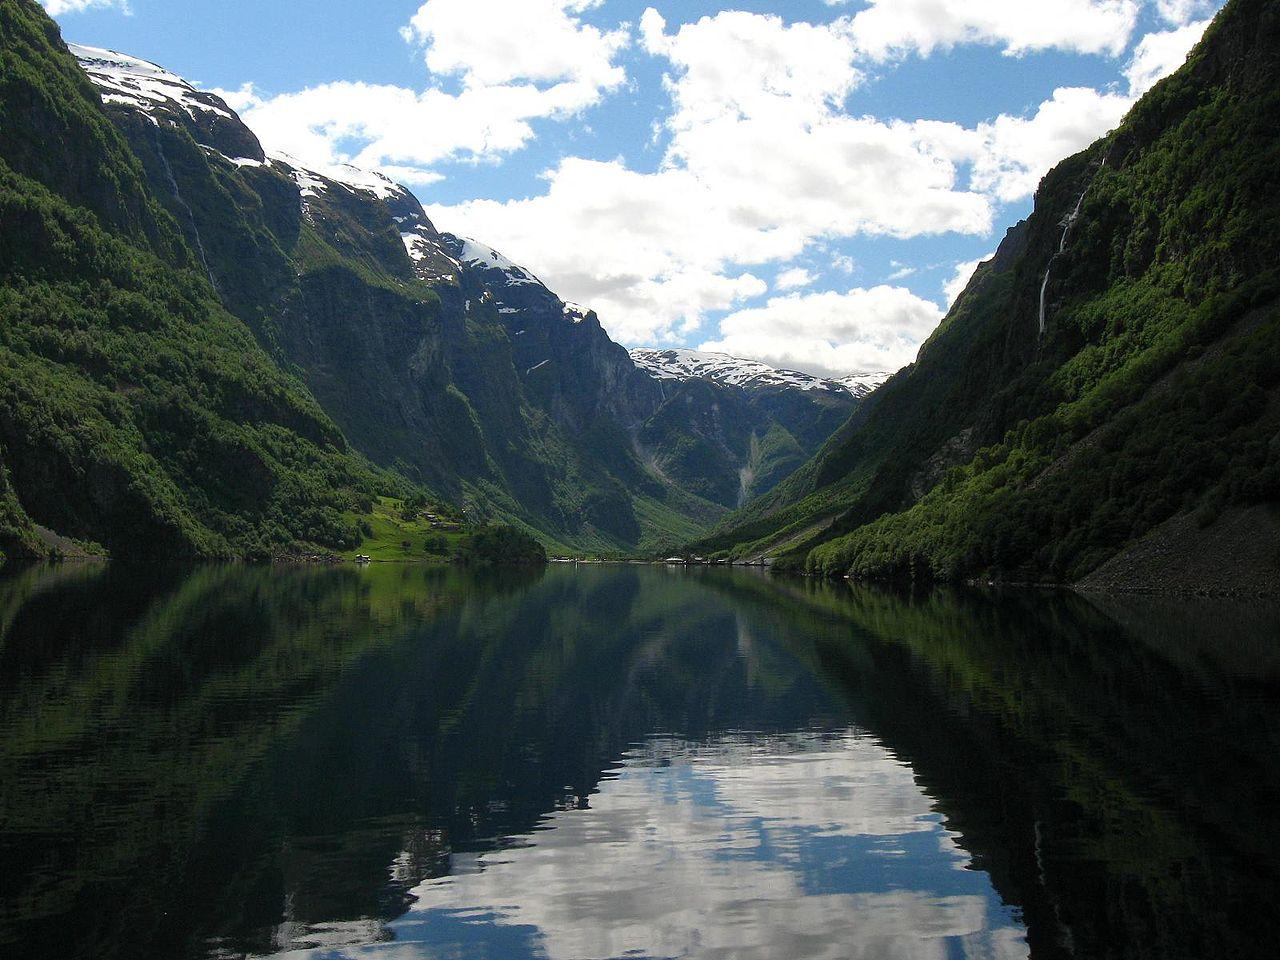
(440, 358)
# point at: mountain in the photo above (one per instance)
(732, 429)
(1101, 403)
(316, 319)
(750, 374)
(404, 338)
(136, 412)
(439, 357)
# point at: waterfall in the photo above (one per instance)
(191, 217)
(1067, 224)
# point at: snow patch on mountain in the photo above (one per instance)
(417, 246)
(476, 254)
(315, 181)
(863, 383)
(139, 83)
(363, 181)
(679, 364)
(149, 87)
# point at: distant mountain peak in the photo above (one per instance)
(682, 364)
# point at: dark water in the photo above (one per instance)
(402, 762)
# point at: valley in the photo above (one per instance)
(217, 352)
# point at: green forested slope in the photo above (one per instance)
(134, 410)
(1151, 393)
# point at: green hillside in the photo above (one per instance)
(1151, 394)
(135, 412)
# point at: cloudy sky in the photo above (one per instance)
(805, 182)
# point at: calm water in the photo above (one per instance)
(401, 762)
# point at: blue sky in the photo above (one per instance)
(805, 182)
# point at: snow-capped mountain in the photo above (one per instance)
(157, 93)
(679, 364)
(492, 388)
(315, 181)
(437, 257)
(862, 384)
(141, 84)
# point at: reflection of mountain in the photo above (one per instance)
(1112, 770)
(250, 760)
(131, 706)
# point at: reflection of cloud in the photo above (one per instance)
(804, 845)
(748, 847)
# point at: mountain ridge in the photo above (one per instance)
(136, 412)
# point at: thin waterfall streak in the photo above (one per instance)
(191, 217)
(1062, 247)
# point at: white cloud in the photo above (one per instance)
(638, 246)
(242, 99)
(1160, 54)
(495, 42)
(960, 279)
(56, 8)
(518, 61)
(1015, 152)
(648, 252)
(1182, 12)
(832, 334)
(889, 28)
(394, 126)
(793, 279)
(762, 163)
(740, 65)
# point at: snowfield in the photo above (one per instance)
(679, 364)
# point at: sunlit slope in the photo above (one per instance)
(1150, 394)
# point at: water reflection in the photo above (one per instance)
(412, 762)
(803, 845)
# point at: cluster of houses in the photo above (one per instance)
(439, 523)
(676, 561)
